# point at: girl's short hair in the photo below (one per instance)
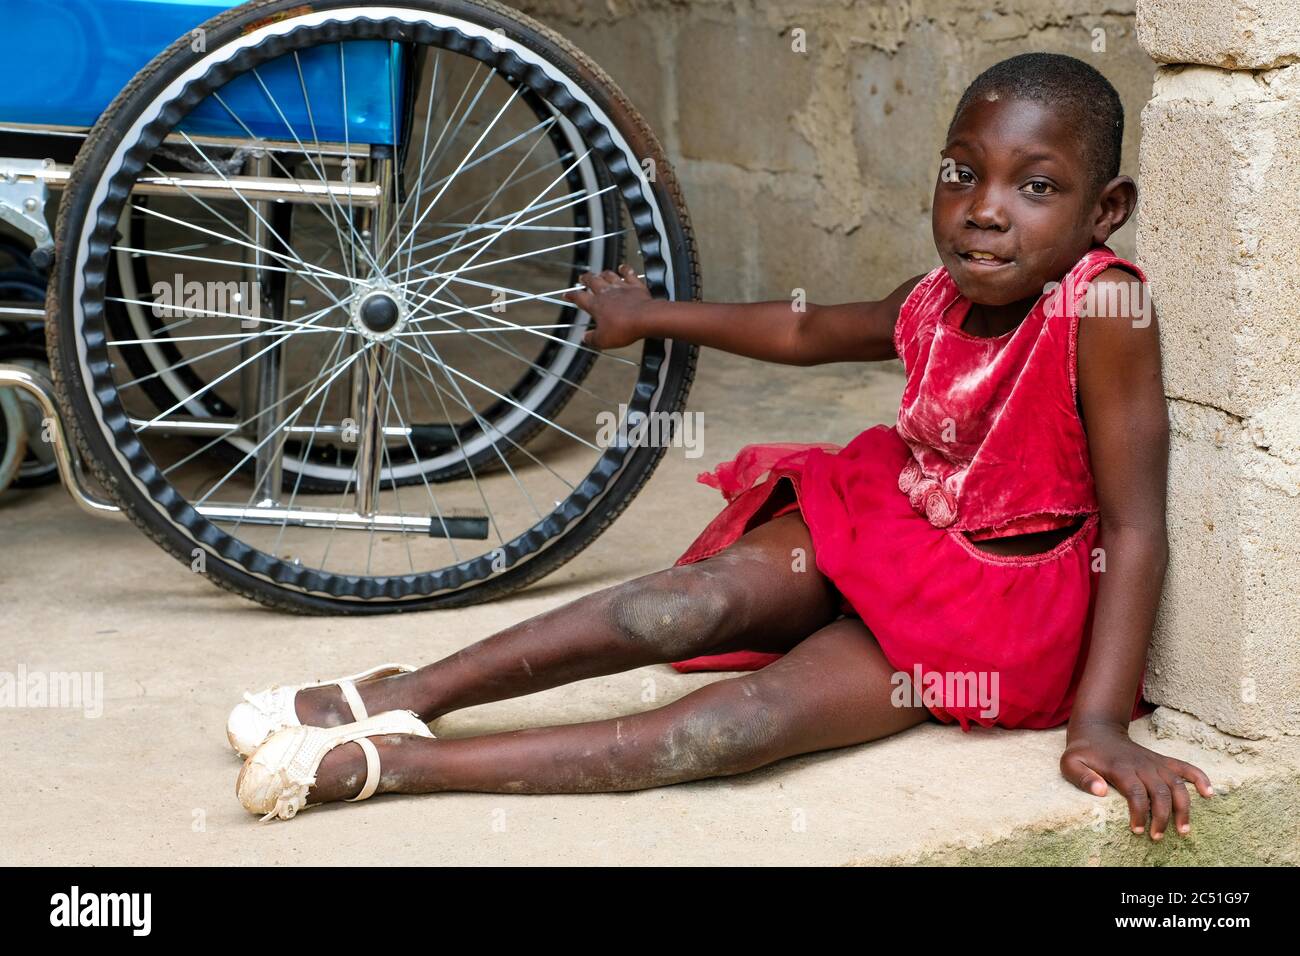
(1078, 91)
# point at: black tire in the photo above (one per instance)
(78, 354)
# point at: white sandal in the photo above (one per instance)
(260, 715)
(274, 781)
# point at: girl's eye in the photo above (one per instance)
(950, 172)
(1040, 188)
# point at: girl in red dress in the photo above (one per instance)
(994, 558)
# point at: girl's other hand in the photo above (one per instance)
(614, 302)
(1151, 783)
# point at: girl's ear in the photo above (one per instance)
(1115, 204)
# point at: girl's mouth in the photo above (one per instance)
(984, 260)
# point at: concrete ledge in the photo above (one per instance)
(149, 784)
(1253, 819)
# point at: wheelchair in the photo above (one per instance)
(295, 306)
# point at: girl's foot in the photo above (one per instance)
(301, 766)
(342, 772)
(326, 707)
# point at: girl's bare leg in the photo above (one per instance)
(758, 594)
(831, 690)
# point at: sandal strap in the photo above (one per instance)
(372, 771)
(354, 700)
(373, 673)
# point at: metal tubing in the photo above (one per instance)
(268, 369)
(459, 526)
(371, 370)
(14, 313)
(70, 470)
(209, 186)
(359, 150)
(212, 427)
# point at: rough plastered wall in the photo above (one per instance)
(1219, 235)
(815, 169)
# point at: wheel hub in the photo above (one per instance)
(379, 314)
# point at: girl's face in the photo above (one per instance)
(1013, 205)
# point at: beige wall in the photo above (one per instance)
(1221, 161)
(815, 170)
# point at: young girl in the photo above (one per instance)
(996, 557)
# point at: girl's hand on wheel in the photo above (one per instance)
(1151, 783)
(614, 301)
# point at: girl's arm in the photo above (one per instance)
(1122, 394)
(624, 312)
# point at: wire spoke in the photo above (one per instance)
(505, 398)
(217, 351)
(426, 376)
(289, 419)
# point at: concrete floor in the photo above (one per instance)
(151, 780)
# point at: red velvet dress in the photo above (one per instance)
(989, 441)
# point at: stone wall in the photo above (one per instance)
(1218, 236)
(815, 169)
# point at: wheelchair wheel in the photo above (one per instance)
(13, 442)
(375, 398)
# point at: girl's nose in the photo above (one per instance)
(986, 212)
